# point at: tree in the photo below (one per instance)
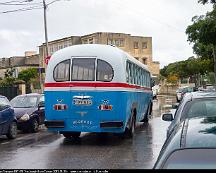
(27, 75)
(207, 1)
(8, 78)
(202, 34)
(173, 79)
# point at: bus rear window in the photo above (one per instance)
(104, 71)
(62, 71)
(83, 69)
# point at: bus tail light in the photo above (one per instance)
(105, 107)
(60, 107)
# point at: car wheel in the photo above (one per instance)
(12, 131)
(34, 126)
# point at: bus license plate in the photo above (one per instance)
(82, 102)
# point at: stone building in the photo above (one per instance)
(55, 46)
(137, 46)
(19, 63)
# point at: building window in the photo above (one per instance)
(65, 44)
(136, 45)
(121, 43)
(144, 60)
(91, 41)
(109, 42)
(144, 45)
(51, 49)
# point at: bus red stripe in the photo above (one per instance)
(102, 84)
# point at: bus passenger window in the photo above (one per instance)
(62, 71)
(104, 71)
(83, 69)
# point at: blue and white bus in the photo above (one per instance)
(96, 88)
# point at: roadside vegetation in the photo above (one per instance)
(202, 68)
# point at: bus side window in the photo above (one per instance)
(130, 74)
(62, 71)
(127, 72)
(145, 82)
(104, 71)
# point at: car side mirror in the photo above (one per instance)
(167, 117)
(41, 105)
(175, 106)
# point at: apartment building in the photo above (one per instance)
(137, 46)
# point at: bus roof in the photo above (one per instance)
(86, 50)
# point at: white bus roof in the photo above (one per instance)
(113, 55)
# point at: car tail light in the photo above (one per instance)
(60, 107)
(105, 107)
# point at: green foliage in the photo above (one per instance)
(192, 67)
(28, 74)
(8, 78)
(207, 1)
(202, 34)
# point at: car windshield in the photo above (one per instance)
(179, 90)
(24, 101)
(3, 103)
(202, 108)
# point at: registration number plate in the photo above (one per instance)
(82, 102)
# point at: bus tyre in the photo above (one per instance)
(12, 131)
(148, 114)
(129, 132)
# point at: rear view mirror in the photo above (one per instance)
(41, 104)
(167, 117)
(175, 106)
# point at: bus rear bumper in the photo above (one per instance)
(111, 124)
(54, 124)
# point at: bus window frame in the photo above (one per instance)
(68, 72)
(96, 71)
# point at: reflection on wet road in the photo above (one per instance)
(105, 151)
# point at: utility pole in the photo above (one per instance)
(214, 55)
(45, 27)
(46, 46)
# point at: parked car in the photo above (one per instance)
(8, 122)
(181, 108)
(192, 141)
(29, 111)
(182, 91)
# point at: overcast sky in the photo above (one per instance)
(163, 20)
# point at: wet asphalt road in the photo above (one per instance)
(45, 150)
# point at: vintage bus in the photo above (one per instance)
(96, 88)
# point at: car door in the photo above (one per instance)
(6, 114)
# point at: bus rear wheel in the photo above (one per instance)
(129, 132)
(72, 134)
(148, 113)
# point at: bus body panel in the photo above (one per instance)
(123, 97)
(88, 118)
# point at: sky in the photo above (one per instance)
(163, 20)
